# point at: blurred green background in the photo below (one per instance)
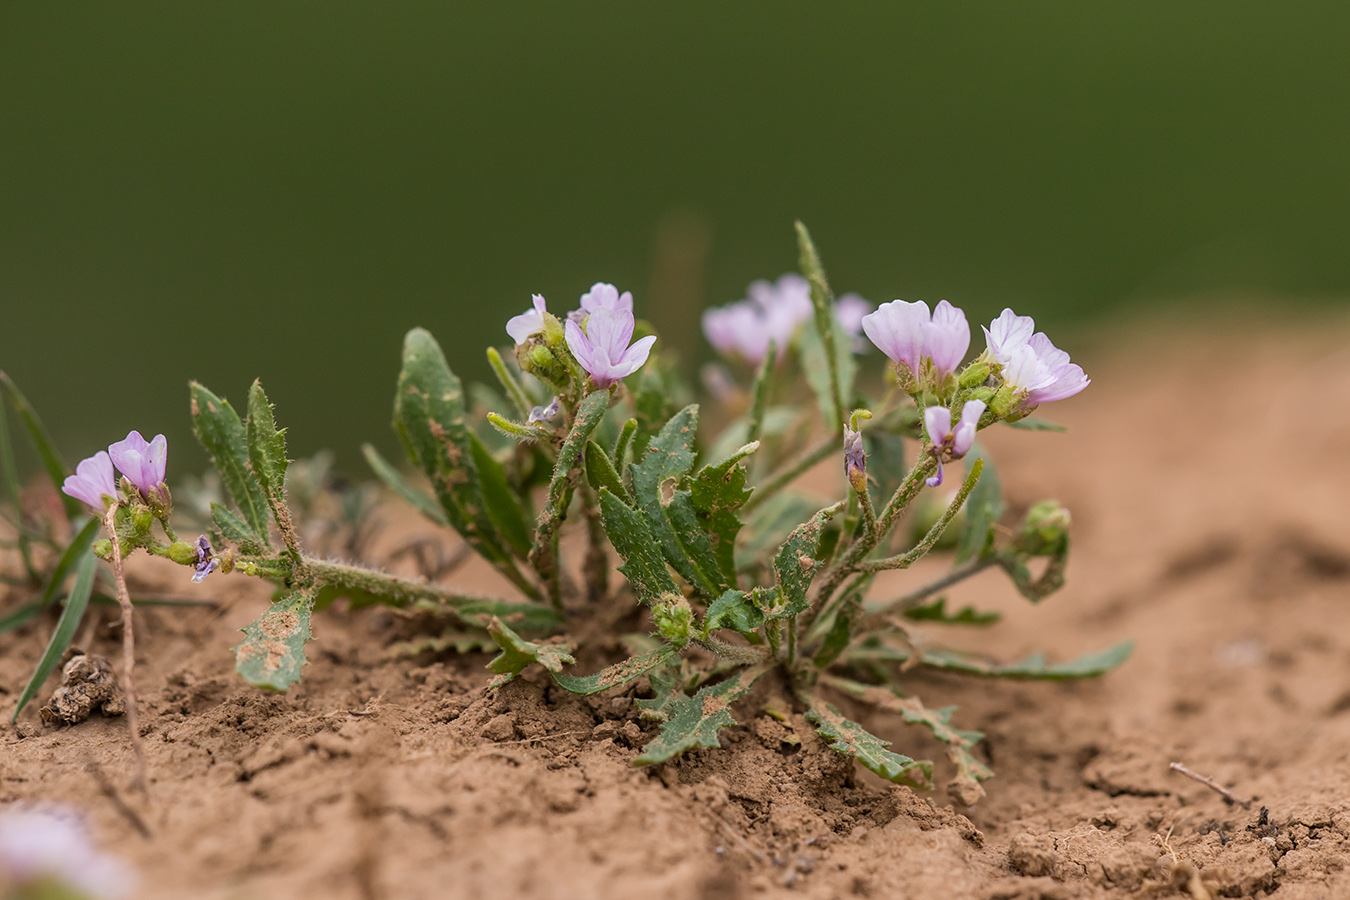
(281, 189)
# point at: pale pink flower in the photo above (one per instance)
(951, 443)
(528, 323)
(602, 347)
(93, 482)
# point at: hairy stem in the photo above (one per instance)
(128, 648)
(917, 596)
(408, 590)
(905, 560)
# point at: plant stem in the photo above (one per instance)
(128, 647)
(917, 596)
(597, 557)
(373, 581)
(905, 560)
(509, 383)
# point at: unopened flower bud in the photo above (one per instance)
(142, 518)
(1045, 530)
(183, 553)
(975, 374)
(226, 562)
(1003, 401)
(103, 548)
(674, 619)
(855, 457)
(160, 500)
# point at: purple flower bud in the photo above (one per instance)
(1031, 363)
(605, 296)
(951, 443)
(528, 323)
(142, 462)
(849, 311)
(206, 560)
(771, 312)
(855, 459)
(602, 347)
(93, 481)
(541, 414)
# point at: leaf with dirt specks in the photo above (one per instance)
(615, 675)
(221, 432)
(851, 739)
(716, 492)
(735, 610)
(694, 721)
(1034, 667)
(273, 650)
(644, 565)
(517, 653)
(797, 561)
(266, 445)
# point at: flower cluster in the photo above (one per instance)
(1033, 367)
(599, 336)
(49, 853)
(910, 337)
(773, 313)
(142, 463)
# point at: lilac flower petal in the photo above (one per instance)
(634, 358)
(527, 323)
(1069, 381)
(898, 328)
(579, 345)
(964, 434)
(157, 462)
(849, 311)
(938, 421)
(606, 296)
(1025, 371)
(1006, 333)
(1054, 358)
(93, 479)
(947, 339)
(602, 347)
(936, 478)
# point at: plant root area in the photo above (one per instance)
(1211, 498)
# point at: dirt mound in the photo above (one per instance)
(1210, 503)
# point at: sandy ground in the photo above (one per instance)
(1211, 498)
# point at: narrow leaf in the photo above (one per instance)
(615, 675)
(266, 445)
(600, 472)
(1033, 667)
(69, 557)
(19, 616)
(273, 650)
(221, 433)
(517, 653)
(983, 509)
(502, 501)
(937, 612)
(76, 603)
(395, 481)
(46, 447)
(834, 351)
(851, 739)
(694, 721)
(847, 613)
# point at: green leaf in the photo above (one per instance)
(600, 472)
(266, 445)
(770, 523)
(233, 528)
(815, 366)
(937, 612)
(69, 558)
(429, 417)
(1036, 425)
(9, 474)
(835, 360)
(717, 491)
(615, 675)
(76, 603)
(797, 561)
(51, 457)
(502, 504)
(669, 457)
(458, 641)
(983, 509)
(395, 481)
(939, 721)
(1033, 667)
(735, 610)
(221, 433)
(694, 721)
(590, 412)
(644, 565)
(652, 408)
(517, 653)
(851, 739)
(273, 650)
(847, 613)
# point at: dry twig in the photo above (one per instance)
(128, 648)
(1213, 785)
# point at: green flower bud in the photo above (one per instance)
(142, 518)
(975, 374)
(1003, 401)
(103, 548)
(1045, 530)
(160, 500)
(674, 620)
(183, 553)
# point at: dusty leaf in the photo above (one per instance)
(851, 739)
(221, 433)
(615, 675)
(693, 722)
(273, 650)
(517, 653)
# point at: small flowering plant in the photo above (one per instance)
(739, 576)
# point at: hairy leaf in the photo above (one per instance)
(221, 432)
(233, 528)
(937, 612)
(76, 603)
(273, 650)
(600, 472)
(266, 445)
(797, 561)
(517, 653)
(395, 481)
(735, 610)
(74, 552)
(851, 739)
(983, 509)
(644, 564)
(694, 721)
(1033, 667)
(503, 505)
(615, 675)
(716, 492)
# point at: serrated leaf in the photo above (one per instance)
(735, 610)
(273, 650)
(600, 472)
(615, 675)
(694, 721)
(983, 509)
(266, 445)
(959, 743)
(458, 641)
(429, 417)
(937, 612)
(851, 739)
(393, 480)
(233, 528)
(221, 433)
(716, 492)
(1033, 667)
(503, 506)
(517, 653)
(797, 562)
(52, 461)
(847, 613)
(669, 457)
(76, 603)
(644, 564)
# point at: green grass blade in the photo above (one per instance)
(76, 603)
(394, 480)
(51, 457)
(73, 553)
